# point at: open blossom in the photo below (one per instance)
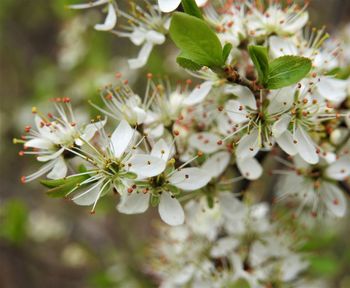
(145, 27)
(164, 188)
(115, 167)
(212, 248)
(111, 18)
(315, 187)
(171, 5)
(54, 138)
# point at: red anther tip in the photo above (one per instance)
(149, 75)
(118, 75)
(176, 133)
(199, 153)
(27, 129)
(23, 179)
(188, 81)
(21, 153)
(130, 190)
(92, 212)
(73, 124)
(126, 82)
(49, 115)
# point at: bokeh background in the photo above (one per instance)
(47, 51)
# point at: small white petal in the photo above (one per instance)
(305, 146)
(332, 89)
(340, 169)
(223, 247)
(236, 111)
(39, 143)
(281, 47)
(168, 5)
(189, 179)
(142, 58)
(217, 164)
(110, 20)
(134, 203)
(146, 166)
(59, 170)
(205, 142)
(51, 156)
(201, 3)
(90, 131)
(250, 168)
(245, 95)
(334, 199)
(198, 94)
(89, 196)
(281, 125)
(285, 141)
(121, 138)
(155, 37)
(248, 146)
(161, 150)
(170, 210)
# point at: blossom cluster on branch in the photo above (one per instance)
(270, 90)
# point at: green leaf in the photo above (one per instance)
(226, 51)
(191, 8)
(52, 183)
(187, 63)
(260, 58)
(287, 70)
(68, 185)
(196, 40)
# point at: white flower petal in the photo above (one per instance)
(161, 150)
(168, 5)
(170, 210)
(89, 196)
(281, 125)
(246, 96)
(250, 168)
(205, 142)
(285, 141)
(39, 143)
(198, 94)
(340, 169)
(134, 203)
(236, 111)
(332, 89)
(59, 170)
(142, 58)
(121, 138)
(90, 130)
(334, 199)
(217, 163)
(110, 21)
(305, 146)
(281, 47)
(223, 247)
(146, 166)
(155, 37)
(248, 146)
(189, 179)
(201, 3)
(51, 156)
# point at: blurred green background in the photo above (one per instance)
(48, 51)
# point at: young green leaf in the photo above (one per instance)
(226, 51)
(287, 70)
(260, 58)
(191, 8)
(187, 63)
(196, 40)
(68, 184)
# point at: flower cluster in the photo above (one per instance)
(268, 94)
(230, 245)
